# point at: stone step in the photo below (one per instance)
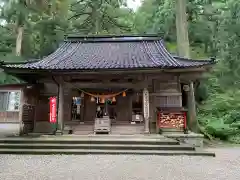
(127, 129)
(97, 146)
(92, 136)
(91, 140)
(107, 152)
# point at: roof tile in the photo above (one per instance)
(84, 55)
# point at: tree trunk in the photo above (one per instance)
(97, 29)
(96, 18)
(184, 51)
(19, 39)
(182, 29)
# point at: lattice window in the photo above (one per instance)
(168, 86)
(171, 86)
(170, 101)
(9, 100)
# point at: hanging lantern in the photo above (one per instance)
(124, 94)
(102, 100)
(92, 99)
(113, 99)
(82, 95)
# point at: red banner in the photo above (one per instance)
(53, 110)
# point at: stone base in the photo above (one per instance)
(67, 129)
(9, 129)
(191, 138)
(43, 127)
(58, 133)
(146, 132)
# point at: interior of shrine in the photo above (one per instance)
(106, 104)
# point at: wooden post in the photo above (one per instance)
(146, 110)
(192, 123)
(60, 117)
(22, 102)
(130, 97)
(82, 108)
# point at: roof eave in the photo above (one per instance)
(70, 71)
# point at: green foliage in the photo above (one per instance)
(100, 17)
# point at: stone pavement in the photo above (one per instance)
(122, 167)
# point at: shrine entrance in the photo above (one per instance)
(76, 109)
(108, 111)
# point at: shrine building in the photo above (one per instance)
(103, 84)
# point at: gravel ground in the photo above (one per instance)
(122, 167)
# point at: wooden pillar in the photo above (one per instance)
(22, 102)
(146, 110)
(82, 107)
(192, 123)
(130, 101)
(60, 117)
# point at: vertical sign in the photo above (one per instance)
(53, 110)
(145, 103)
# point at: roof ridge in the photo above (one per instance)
(110, 35)
(149, 54)
(165, 52)
(190, 59)
(112, 38)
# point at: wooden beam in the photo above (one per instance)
(183, 70)
(190, 76)
(103, 75)
(83, 85)
(161, 76)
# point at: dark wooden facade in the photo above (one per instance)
(164, 92)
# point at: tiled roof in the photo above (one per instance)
(110, 53)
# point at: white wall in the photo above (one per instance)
(8, 129)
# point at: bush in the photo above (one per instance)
(234, 138)
(220, 116)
